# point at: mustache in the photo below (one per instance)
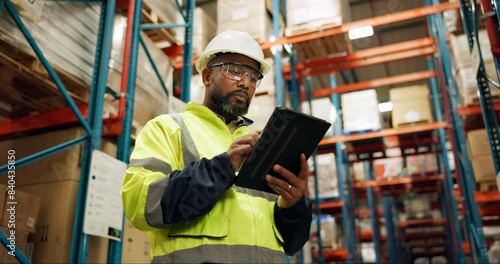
(240, 92)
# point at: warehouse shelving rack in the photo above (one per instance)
(132, 40)
(339, 64)
(91, 120)
(89, 116)
(473, 216)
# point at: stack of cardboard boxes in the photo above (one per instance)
(246, 15)
(18, 218)
(360, 111)
(465, 66)
(55, 181)
(481, 158)
(411, 105)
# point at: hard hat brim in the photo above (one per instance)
(202, 61)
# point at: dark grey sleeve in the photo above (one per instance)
(194, 191)
(294, 224)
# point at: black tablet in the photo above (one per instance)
(287, 134)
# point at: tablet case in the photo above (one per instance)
(286, 135)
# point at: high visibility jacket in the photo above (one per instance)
(180, 188)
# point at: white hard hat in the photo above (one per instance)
(231, 41)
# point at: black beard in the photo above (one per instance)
(226, 108)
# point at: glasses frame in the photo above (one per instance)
(237, 78)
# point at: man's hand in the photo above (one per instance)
(292, 191)
(240, 148)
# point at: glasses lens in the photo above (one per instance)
(238, 71)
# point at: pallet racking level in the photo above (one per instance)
(427, 47)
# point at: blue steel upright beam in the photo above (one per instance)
(485, 99)
(278, 74)
(372, 205)
(80, 244)
(437, 30)
(129, 77)
(294, 84)
(187, 69)
(317, 210)
(389, 208)
(344, 184)
(473, 219)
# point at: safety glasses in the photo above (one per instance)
(236, 71)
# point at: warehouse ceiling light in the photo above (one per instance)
(360, 32)
(385, 107)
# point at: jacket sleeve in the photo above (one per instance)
(294, 224)
(158, 189)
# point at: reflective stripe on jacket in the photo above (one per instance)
(179, 188)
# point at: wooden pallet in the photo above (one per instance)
(26, 86)
(149, 16)
(323, 47)
(487, 186)
(417, 123)
(313, 26)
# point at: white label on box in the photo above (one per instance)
(104, 208)
(31, 222)
(413, 116)
(240, 14)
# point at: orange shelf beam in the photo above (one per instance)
(408, 180)
(368, 57)
(366, 53)
(392, 80)
(382, 133)
(333, 255)
(374, 21)
(45, 120)
(486, 197)
(367, 235)
(474, 109)
(331, 204)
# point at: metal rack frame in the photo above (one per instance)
(92, 125)
(344, 181)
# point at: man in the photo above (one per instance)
(180, 182)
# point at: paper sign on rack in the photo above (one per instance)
(103, 208)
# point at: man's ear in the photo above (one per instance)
(206, 76)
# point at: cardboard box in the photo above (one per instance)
(304, 16)
(483, 168)
(478, 143)
(21, 243)
(135, 246)
(358, 117)
(61, 166)
(246, 15)
(411, 104)
(57, 189)
(21, 212)
(53, 236)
